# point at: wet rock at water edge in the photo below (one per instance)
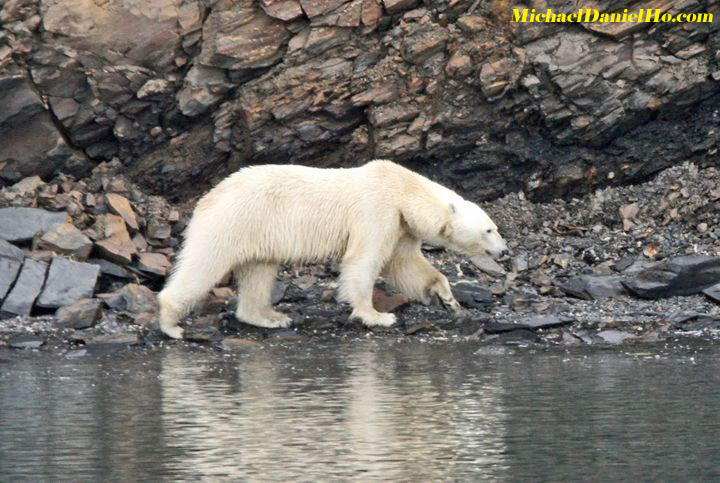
(235, 344)
(713, 293)
(202, 334)
(79, 315)
(110, 344)
(594, 287)
(282, 335)
(418, 327)
(26, 342)
(546, 321)
(472, 295)
(68, 282)
(520, 337)
(691, 320)
(27, 287)
(615, 336)
(493, 327)
(22, 224)
(686, 275)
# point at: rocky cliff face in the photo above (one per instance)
(185, 91)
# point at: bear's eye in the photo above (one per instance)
(489, 230)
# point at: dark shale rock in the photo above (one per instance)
(472, 295)
(80, 315)
(545, 321)
(492, 327)
(27, 287)
(594, 287)
(30, 142)
(67, 282)
(133, 298)
(684, 275)
(109, 268)
(519, 337)
(691, 320)
(22, 224)
(278, 291)
(713, 293)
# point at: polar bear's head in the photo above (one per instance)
(471, 231)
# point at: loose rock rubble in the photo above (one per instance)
(582, 271)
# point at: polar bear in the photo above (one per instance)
(372, 219)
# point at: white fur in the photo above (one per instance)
(372, 218)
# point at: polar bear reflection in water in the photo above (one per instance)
(373, 219)
(357, 412)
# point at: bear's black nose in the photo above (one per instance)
(504, 252)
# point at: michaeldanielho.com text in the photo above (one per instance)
(527, 15)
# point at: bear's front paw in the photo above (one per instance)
(449, 303)
(375, 318)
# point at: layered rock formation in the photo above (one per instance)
(185, 91)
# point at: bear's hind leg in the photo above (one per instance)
(255, 282)
(194, 275)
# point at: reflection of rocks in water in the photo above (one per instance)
(80, 421)
(364, 412)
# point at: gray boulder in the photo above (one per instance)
(68, 282)
(686, 275)
(594, 287)
(22, 224)
(26, 289)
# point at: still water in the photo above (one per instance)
(363, 410)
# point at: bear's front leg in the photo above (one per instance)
(357, 279)
(411, 273)
(439, 288)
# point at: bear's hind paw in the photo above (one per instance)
(269, 320)
(375, 319)
(173, 331)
